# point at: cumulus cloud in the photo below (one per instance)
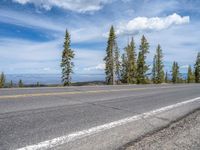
(184, 67)
(97, 67)
(30, 20)
(152, 24)
(22, 56)
(73, 5)
(36, 57)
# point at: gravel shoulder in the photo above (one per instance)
(181, 135)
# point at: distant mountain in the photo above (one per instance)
(51, 78)
(56, 78)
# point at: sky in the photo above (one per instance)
(32, 32)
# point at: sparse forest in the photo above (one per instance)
(129, 68)
(133, 68)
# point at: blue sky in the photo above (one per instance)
(32, 32)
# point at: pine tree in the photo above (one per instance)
(190, 75)
(175, 73)
(112, 69)
(166, 77)
(197, 69)
(38, 84)
(154, 70)
(117, 64)
(11, 84)
(21, 84)
(131, 62)
(124, 68)
(159, 66)
(2, 80)
(142, 67)
(67, 64)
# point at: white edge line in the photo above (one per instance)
(80, 134)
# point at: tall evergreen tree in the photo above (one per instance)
(197, 69)
(66, 63)
(190, 75)
(117, 64)
(159, 67)
(11, 84)
(38, 84)
(112, 64)
(142, 67)
(124, 68)
(2, 80)
(131, 62)
(154, 70)
(21, 84)
(175, 73)
(166, 77)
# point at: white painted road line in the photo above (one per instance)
(77, 135)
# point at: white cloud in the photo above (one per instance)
(89, 61)
(83, 34)
(23, 56)
(79, 32)
(47, 69)
(73, 5)
(24, 50)
(184, 67)
(30, 20)
(21, 1)
(97, 67)
(151, 24)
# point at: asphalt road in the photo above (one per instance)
(33, 115)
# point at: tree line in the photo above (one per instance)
(3, 82)
(133, 68)
(129, 68)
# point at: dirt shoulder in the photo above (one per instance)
(181, 135)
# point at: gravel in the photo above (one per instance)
(181, 135)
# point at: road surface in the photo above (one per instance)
(93, 117)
